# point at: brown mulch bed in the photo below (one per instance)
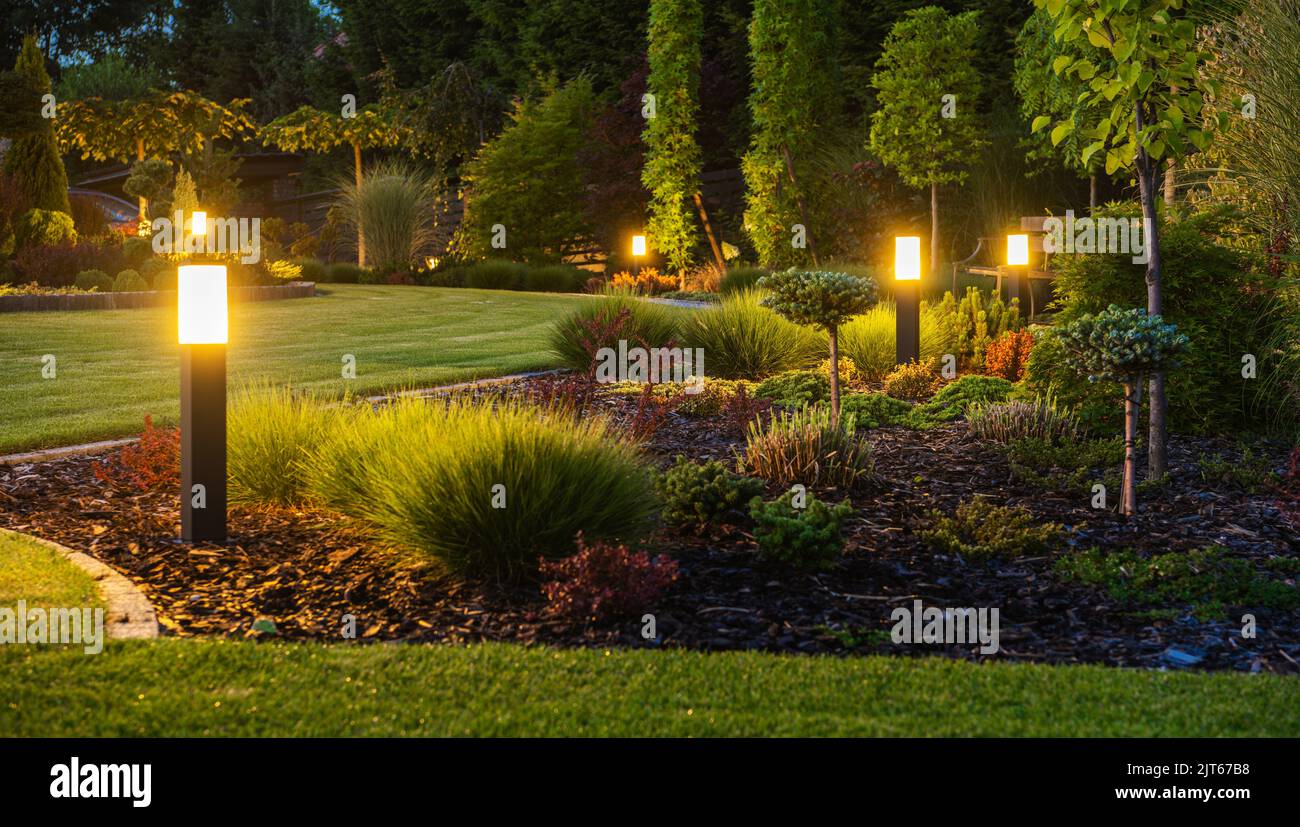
(306, 570)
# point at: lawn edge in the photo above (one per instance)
(130, 615)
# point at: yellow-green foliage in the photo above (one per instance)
(914, 380)
(981, 530)
(806, 538)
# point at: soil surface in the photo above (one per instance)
(307, 572)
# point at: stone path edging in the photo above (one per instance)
(129, 614)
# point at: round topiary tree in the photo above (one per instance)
(821, 299)
(1124, 346)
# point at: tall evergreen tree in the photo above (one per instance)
(34, 159)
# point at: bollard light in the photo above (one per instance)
(202, 331)
(1018, 264)
(638, 251)
(1018, 250)
(907, 299)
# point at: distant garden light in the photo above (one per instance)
(907, 298)
(202, 331)
(638, 252)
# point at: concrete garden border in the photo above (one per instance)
(128, 613)
(148, 298)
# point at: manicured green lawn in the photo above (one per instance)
(113, 367)
(227, 688)
(43, 577)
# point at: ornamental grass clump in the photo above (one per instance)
(742, 339)
(270, 435)
(807, 447)
(1007, 422)
(823, 300)
(489, 491)
(602, 322)
(804, 537)
(1124, 346)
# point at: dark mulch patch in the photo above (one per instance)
(307, 570)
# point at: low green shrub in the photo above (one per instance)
(1206, 579)
(956, 398)
(795, 388)
(159, 272)
(270, 435)
(1251, 473)
(744, 340)
(702, 493)
(555, 278)
(38, 227)
(485, 490)
(129, 281)
(94, 280)
(312, 269)
(602, 322)
(713, 398)
(1006, 422)
(806, 447)
(914, 380)
(495, 274)
(1070, 465)
(803, 538)
(136, 249)
(981, 531)
(875, 410)
(740, 279)
(344, 272)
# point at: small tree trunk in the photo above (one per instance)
(713, 241)
(361, 233)
(1170, 182)
(1128, 492)
(803, 211)
(835, 375)
(1092, 193)
(1146, 174)
(934, 229)
(139, 156)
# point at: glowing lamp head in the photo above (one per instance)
(201, 304)
(198, 223)
(638, 245)
(1018, 250)
(907, 258)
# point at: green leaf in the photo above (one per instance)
(1040, 122)
(1060, 131)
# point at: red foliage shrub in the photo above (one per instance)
(1007, 356)
(741, 409)
(603, 582)
(57, 265)
(152, 464)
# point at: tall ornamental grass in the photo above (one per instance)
(476, 489)
(744, 340)
(602, 322)
(393, 207)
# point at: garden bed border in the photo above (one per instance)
(129, 614)
(147, 298)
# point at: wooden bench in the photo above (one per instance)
(995, 248)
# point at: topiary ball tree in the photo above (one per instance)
(820, 299)
(1124, 346)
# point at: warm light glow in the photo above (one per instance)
(430, 262)
(907, 258)
(1017, 250)
(198, 223)
(638, 245)
(201, 304)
